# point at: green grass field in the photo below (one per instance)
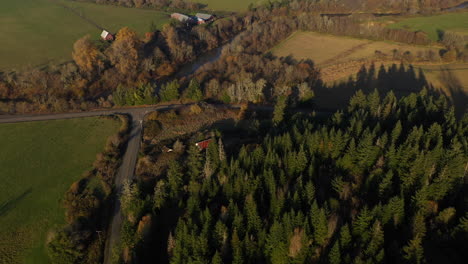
(228, 5)
(35, 32)
(38, 163)
(431, 24)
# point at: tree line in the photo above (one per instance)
(376, 6)
(87, 206)
(157, 4)
(380, 182)
(101, 71)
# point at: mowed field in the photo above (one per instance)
(432, 24)
(38, 163)
(229, 5)
(36, 32)
(328, 49)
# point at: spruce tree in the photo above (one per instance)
(334, 256)
(194, 91)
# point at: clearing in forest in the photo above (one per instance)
(38, 163)
(36, 32)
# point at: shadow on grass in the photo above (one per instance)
(457, 94)
(10, 204)
(402, 80)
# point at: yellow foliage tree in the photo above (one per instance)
(125, 52)
(86, 55)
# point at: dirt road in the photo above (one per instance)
(127, 168)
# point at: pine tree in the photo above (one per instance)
(160, 194)
(222, 153)
(276, 247)
(280, 109)
(375, 247)
(175, 179)
(237, 256)
(334, 256)
(216, 258)
(345, 237)
(194, 91)
(309, 193)
(194, 162)
(414, 251)
(386, 186)
(396, 132)
(169, 91)
(362, 224)
(319, 224)
(253, 219)
(208, 169)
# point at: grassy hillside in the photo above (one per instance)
(431, 24)
(34, 32)
(228, 5)
(328, 49)
(38, 163)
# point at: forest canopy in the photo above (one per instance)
(381, 182)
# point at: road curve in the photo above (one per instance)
(129, 160)
(127, 168)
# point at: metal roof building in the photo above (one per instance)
(204, 16)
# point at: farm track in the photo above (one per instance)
(345, 53)
(80, 15)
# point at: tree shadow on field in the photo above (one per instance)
(456, 92)
(10, 204)
(402, 80)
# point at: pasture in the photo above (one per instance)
(37, 32)
(327, 50)
(38, 163)
(433, 24)
(229, 5)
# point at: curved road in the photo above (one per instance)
(127, 168)
(129, 160)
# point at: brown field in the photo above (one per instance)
(452, 79)
(327, 50)
(340, 58)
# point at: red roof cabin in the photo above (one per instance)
(107, 36)
(203, 144)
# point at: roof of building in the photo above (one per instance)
(180, 17)
(204, 16)
(203, 144)
(104, 34)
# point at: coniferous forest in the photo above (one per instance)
(383, 181)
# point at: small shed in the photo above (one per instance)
(203, 144)
(107, 36)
